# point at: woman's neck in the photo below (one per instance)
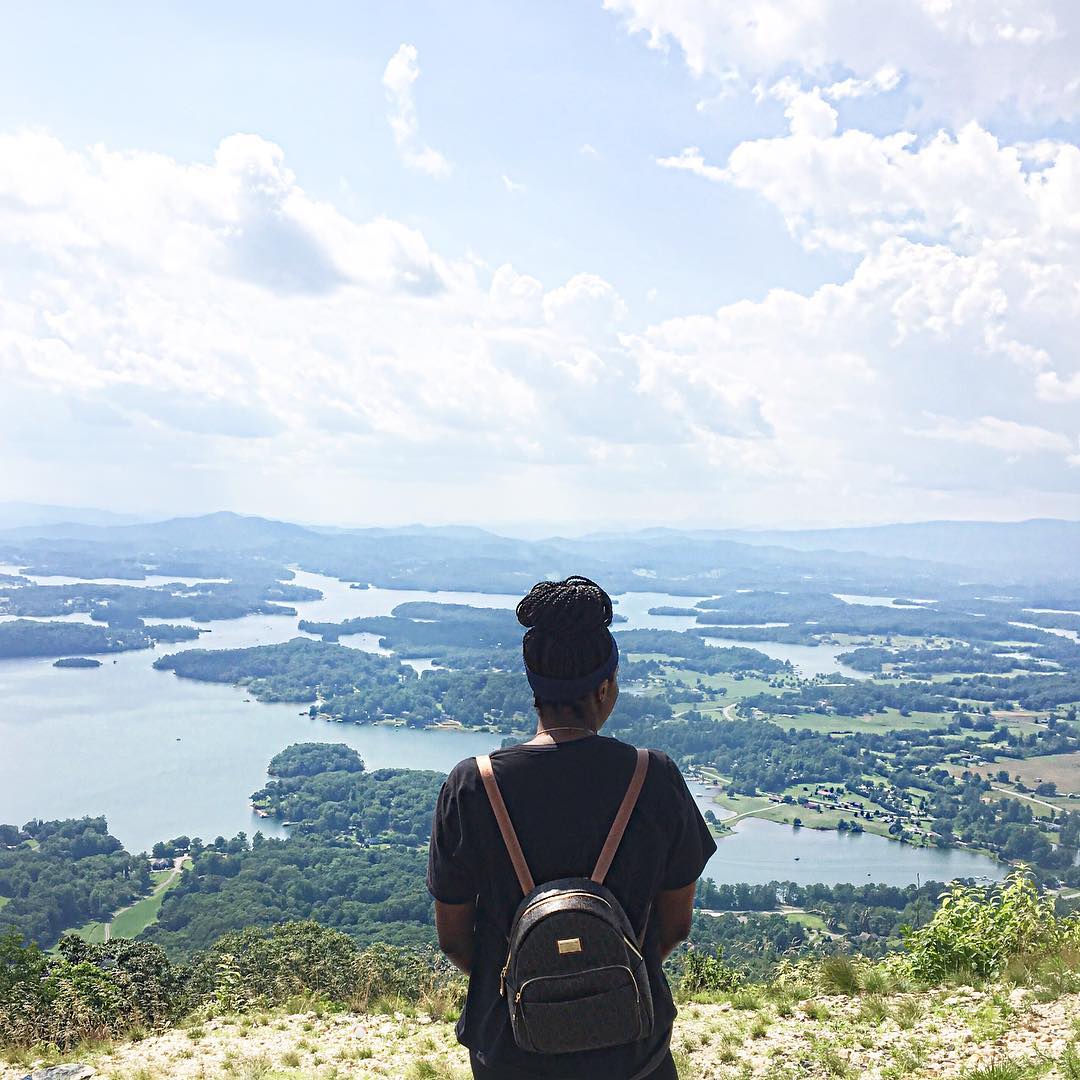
(546, 731)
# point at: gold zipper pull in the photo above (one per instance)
(502, 982)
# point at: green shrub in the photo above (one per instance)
(1069, 1063)
(975, 932)
(93, 992)
(85, 992)
(705, 973)
(303, 961)
(838, 975)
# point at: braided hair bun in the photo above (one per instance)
(567, 622)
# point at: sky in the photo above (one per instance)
(550, 266)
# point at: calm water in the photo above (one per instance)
(881, 601)
(759, 851)
(162, 756)
(807, 660)
(1072, 635)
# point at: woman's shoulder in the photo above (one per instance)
(465, 774)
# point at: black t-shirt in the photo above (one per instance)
(562, 800)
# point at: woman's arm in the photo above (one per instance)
(454, 924)
(674, 911)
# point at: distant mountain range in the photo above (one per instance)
(1043, 546)
(1038, 551)
(19, 514)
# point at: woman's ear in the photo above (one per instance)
(608, 690)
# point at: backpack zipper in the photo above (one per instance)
(609, 967)
(559, 896)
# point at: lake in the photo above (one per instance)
(758, 852)
(807, 660)
(162, 756)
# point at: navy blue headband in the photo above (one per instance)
(562, 690)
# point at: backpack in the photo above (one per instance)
(574, 977)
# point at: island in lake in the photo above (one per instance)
(76, 662)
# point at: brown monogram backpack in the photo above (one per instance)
(574, 977)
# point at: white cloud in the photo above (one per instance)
(883, 81)
(585, 306)
(194, 327)
(964, 303)
(589, 151)
(215, 332)
(1006, 435)
(957, 58)
(691, 159)
(399, 78)
(854, 190)
(516, 297)
(513, 186)
(1052, 387)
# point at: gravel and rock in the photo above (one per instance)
(943, 1033)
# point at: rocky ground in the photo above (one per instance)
(980, 1035)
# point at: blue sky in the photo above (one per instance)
(514, 89)
(666, 262)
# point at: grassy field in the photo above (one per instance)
(94, 932)
(1037, 808)
(735, 688)
(872, 723)
(133, 920)
(807, 919)
(785, 813)
(139, 916)
(1062, 769)
(741, 804)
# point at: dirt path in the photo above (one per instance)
(747, 813)
(1024, 797)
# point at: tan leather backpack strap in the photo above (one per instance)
(513, 848)
(618, 826)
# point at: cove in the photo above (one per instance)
(757, 852)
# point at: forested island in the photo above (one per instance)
(31, 637)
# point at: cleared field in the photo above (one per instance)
(1039, 809)
(735, 688)
(1061, 769)
(873, 723)
(94, 932)
(809, 920)
(133, 921)
(786, 813)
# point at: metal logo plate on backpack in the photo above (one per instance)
(568, 945)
